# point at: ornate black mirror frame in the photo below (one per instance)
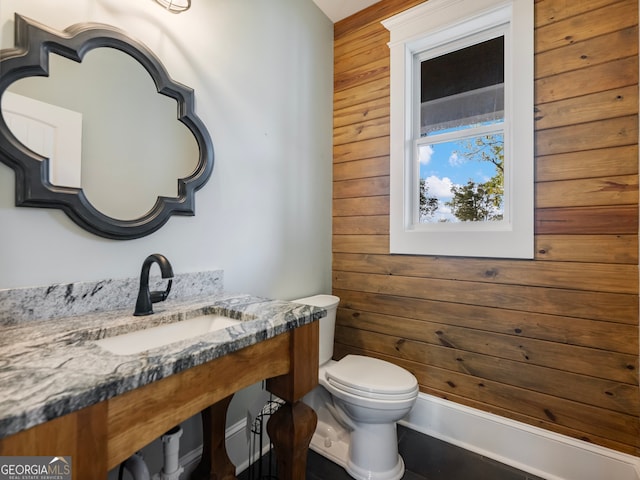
(30, 57)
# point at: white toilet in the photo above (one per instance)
(358, 402)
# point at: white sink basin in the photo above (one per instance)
(154, 337)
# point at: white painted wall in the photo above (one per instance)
(262, 74)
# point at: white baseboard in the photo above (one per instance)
(534, 450)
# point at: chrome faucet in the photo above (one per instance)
(146, 298)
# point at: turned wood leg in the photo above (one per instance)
(290, 429)
(215, 463)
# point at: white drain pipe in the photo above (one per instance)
(171, 448)
(137, 467)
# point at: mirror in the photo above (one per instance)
(130, 141)
(143, 189)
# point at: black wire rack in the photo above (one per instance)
(262, 465)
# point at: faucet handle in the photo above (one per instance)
(160, 296)
(145, 298)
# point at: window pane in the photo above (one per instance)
(462, 180)
(463, 88)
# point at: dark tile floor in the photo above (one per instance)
(426, 458)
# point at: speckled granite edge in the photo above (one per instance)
(65, 300)
(52, 368)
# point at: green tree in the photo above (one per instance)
(473, 202)
(481, 201)
(428, 205)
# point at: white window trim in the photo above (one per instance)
(439, 22)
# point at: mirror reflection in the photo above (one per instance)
(131, 146)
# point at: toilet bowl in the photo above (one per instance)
(358, 401)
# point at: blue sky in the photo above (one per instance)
(443, 162)
(442, 167)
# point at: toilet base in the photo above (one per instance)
(333, 444)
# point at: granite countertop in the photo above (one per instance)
(52, 367)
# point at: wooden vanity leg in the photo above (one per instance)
(215, 464)
(290, 429)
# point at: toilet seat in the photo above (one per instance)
(372, 378)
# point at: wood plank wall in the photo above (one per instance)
(551, 342)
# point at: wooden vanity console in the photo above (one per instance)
(100, 437)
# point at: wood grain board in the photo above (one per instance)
(551, 342)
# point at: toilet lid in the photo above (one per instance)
(371, 377)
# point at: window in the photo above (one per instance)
(462, 128)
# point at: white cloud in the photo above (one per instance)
(444, 214)
(439, 187)
(455, 160)
(424, 154)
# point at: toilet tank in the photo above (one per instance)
(327, 324)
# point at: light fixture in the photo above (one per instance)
(175, 6)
